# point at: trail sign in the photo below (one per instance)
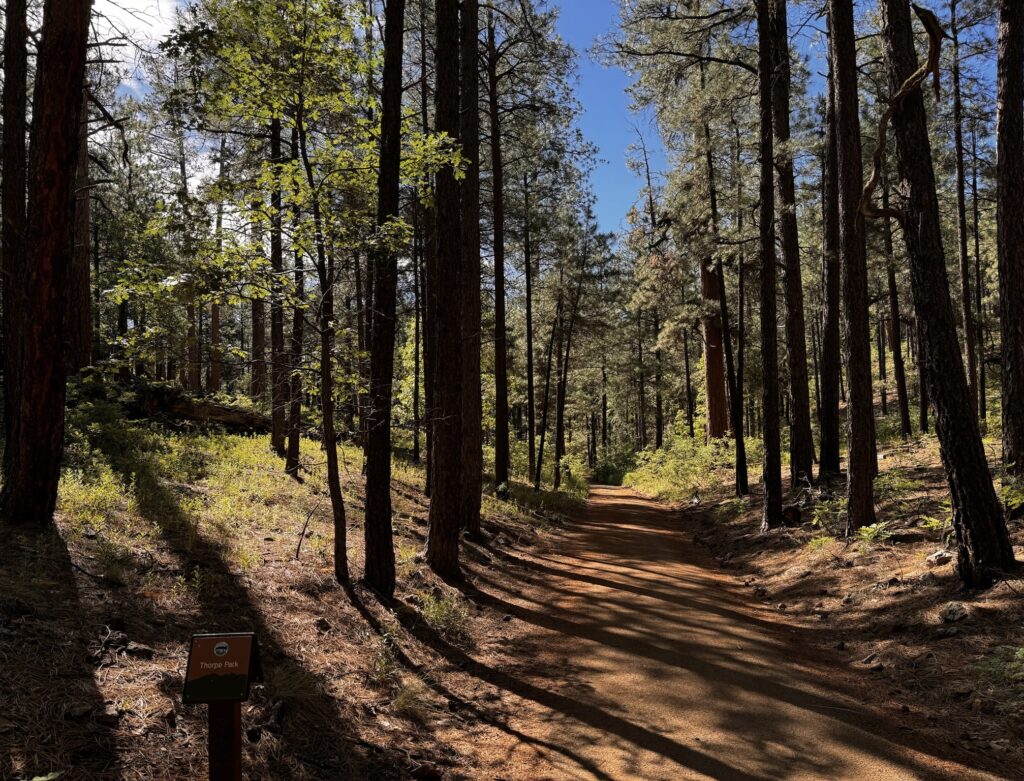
(221, 667)
(219, 671)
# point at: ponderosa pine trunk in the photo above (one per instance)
(772, 472)
(983, 543)
(1010, 230)
(295, 347)
(853, 254)
(966, 309)
(278, 374)
(979, 287)
(501, 434)
(472, 422)
(895, 333)
(531, 395)
(32, 468)
(12, 203)
(379, 543)
(801, 440)
(446, 279)
(555, 332)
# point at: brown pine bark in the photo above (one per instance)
(801, 440)
(1010, 219)
(501, 433)
(472, 423)
(772, 473)
(278, 373)
(983, 543)
(895, 321)
(12, 203)
(379, 545)
(861, 468)
(295, 353)
(714, 357)
(967, 313)
(445, 279)
(831, 345)
(531, 400)
(32, 470)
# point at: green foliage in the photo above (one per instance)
(896, 484)
(686, 467)
(612, 466)
(874, 534)
(447, 615)
(829, 515)
(820, 542)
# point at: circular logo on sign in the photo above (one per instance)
(220, 649)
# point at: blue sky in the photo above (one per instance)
(606, 121)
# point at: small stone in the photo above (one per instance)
(322, 625)
(506, 618)
(781, 606)
(952, 612)
(89, 533)
(139, 651)
(939, 558)
(110, 716)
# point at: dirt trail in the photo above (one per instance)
(647, 663)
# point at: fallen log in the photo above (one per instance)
(155, 400)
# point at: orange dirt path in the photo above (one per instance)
(646, 662)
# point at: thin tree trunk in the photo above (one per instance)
(471, 481)
(861, 471)
(379, 544)
(772, 472)
(531, 401)
(278, 374)
(979, 287)
(501, 435)
(292, 453)
(801, 440)
(831, 346)
(555, 328)
(898, 369)
(983, 542)
(689, 383)
(961, 214)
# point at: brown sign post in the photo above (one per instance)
(220, 669)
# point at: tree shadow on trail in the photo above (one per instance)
(53, 714)
(296, 707)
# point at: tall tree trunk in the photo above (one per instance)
(292, 454)
(689, 382)
(12, 203)
(801, 440)
(1010, 219)
(216, 354)
(883, 374)
(379, 545)
(831, 346)
(896, 343)
(979, 286)
(78, 327)
(326, 272)
(278, 374)
(531, 401)
(32, 471)
(714, 363)
(982, 539)
(501, 435)
(555, 332)
(772, 472)
(417, 308)
(961, 213)
(446, 279)
(642, 383)
(852, 249)
(472, 424)
(604, 408)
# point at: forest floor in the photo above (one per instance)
(585, 643)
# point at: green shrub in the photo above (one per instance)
(687, 466)
(447, 615)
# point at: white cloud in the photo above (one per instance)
(144, 21)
